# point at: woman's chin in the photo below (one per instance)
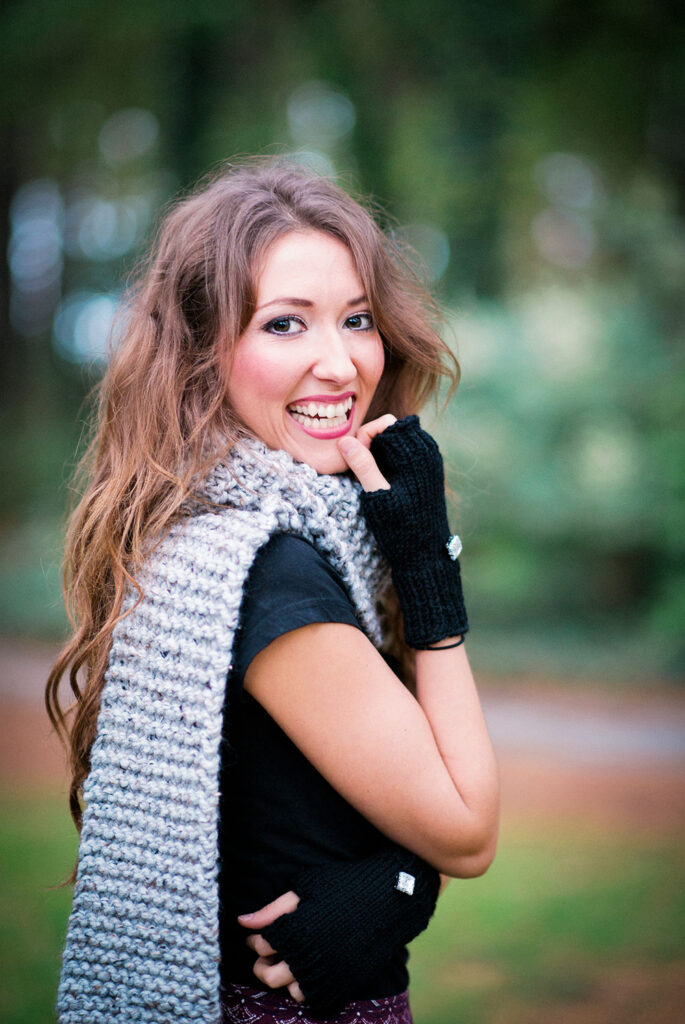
(325, 462)
(321, 454)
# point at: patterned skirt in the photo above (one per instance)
(241, 1004)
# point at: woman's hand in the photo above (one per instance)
(268, 968)
(357, 455)
(403, 502)
(351, 919)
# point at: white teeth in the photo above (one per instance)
(322, 410)
(319, 424)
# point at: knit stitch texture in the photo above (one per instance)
(409, 522)
(143, 938)
(326, 927)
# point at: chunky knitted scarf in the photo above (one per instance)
(143, 941)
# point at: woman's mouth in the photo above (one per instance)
(323, 419)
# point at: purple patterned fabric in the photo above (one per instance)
(241, 1004)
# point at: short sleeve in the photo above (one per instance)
(289, 585)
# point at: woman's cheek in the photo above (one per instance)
(375, 366)
(257, 375)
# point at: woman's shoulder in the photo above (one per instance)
(290, 585)
(288, 572)
(292, 558)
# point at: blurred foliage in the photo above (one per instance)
(533, 153)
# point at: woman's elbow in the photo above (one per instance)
(476, 864)
(472, 858)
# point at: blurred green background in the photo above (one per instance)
(533, 154)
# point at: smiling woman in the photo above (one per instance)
(265, 803)
(306, 368)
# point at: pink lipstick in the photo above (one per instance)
(324, 416)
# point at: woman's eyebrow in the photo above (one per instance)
(286, 302)
(305, 303)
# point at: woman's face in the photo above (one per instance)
(307, 365)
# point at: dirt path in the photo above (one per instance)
(610, 759)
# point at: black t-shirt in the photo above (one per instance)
(277, 814)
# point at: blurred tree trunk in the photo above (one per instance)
(192, 61)
(12, 376)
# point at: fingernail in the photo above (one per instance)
(245, 917)
(346, 445)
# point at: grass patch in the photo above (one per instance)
(552, 918)
(37, 850)
(555, 916)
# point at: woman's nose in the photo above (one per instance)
(333, 359)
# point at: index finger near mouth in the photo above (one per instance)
(368, 431)
(362, 463)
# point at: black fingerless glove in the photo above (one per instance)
(352, 917)
(409, 522)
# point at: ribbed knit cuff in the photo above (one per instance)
(432, 602)
(350, 921)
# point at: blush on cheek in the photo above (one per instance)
(257, 374)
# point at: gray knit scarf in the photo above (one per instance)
(143, 942)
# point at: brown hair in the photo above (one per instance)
(162, 403)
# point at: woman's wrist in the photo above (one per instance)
(448, 644)
(432, 602)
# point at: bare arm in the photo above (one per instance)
(433, 753)
(421, 769)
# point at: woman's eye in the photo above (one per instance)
(360, 322)
(285, 325)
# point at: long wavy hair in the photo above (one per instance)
(163, 418)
